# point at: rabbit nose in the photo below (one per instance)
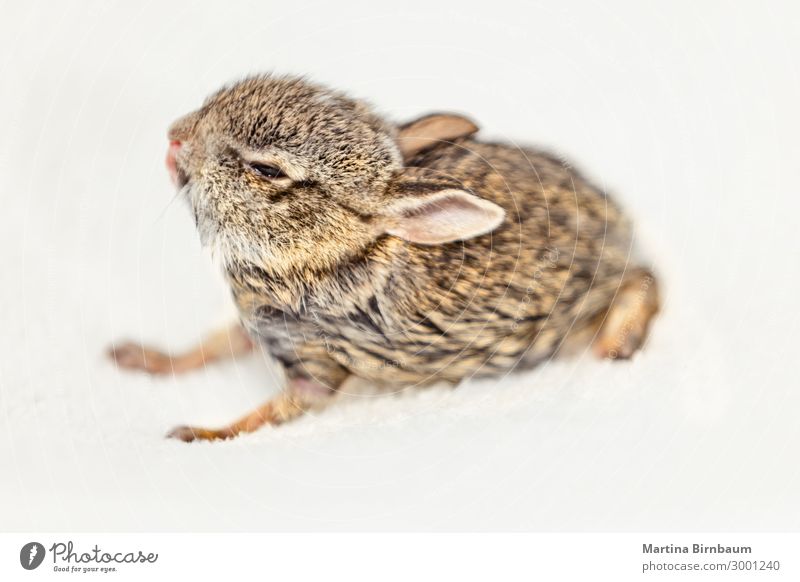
(171, 161)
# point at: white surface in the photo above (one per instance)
(689, 112)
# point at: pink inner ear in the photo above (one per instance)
(451, 216)
(448, 206)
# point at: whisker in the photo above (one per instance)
(182, 191)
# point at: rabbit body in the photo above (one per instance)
(403, 313)
(404, 254)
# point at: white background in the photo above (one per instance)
(687, 111)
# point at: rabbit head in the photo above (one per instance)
(291, 176)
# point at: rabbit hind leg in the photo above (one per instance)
(624, 328)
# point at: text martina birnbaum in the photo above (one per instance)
(695, 549)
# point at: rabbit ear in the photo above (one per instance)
(431, 214)
(430, 130)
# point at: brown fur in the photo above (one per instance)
(325, 288)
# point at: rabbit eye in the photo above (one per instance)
(268, 171)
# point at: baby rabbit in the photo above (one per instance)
(405, 255)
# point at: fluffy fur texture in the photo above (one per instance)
(404, 262)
